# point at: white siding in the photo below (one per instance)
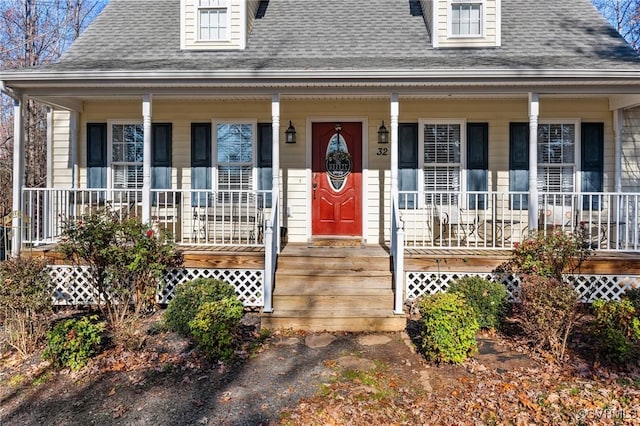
(631, 150)
(63, 169)
(296, 159)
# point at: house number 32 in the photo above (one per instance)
(383, 151)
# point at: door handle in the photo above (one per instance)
(315, 185)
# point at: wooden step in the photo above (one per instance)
(334, 289)
(334, 303)
(328, 321)
(304, 283)
(334, 263)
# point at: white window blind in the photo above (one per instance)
(127, 144)
(556, 158)
(235, 157)
(442, 163)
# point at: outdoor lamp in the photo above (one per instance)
(290, 133)
(383, 134)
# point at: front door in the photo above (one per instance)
(337, 179)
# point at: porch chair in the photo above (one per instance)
(453, 225)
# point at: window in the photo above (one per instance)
(442, 161)
(466, 18)
(234, 145)
(213, 20)
(556, 158)
(127, 147)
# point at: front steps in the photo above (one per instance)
(333, 289)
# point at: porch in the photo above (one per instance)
(232, 235)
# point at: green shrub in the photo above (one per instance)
(73, 342)
(633, 295)
(215, 325)
(188, 299)
(617, 328)
(449, 328)
(488, 299)
(25, 302)
(126, 260)
(549, 254)
(547, 311)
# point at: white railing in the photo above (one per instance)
(497, 220)
(215, 218)
(397, 255)
(272, 250)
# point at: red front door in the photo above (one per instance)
(337, 179)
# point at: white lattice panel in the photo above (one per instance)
(72, 284)
(590, 287)
(247, 282)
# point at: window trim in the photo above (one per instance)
(223, 5)
(463, 157)
(483, 19)
(110, 169)
(577, 156)
(254, 150)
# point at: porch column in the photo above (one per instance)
(275, 161)
(73, 144)
(395, 112)
(618, 126)
(146, 160)
(17, 214)
(534, 112)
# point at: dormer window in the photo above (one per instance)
(466, 18)
(213, 20)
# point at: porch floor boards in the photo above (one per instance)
(479, 260)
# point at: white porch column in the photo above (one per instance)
(275, 160)
(534, 112)
(73, 146)
(395, 112)
(18, 176)
(50, 147)
(146, 161)
(618, 126)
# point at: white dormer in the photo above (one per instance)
(463, 23)
(216, 24)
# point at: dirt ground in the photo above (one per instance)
(296, 378)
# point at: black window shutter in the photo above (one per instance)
(519, 164)
(96, 155)
(265, 162)
(592, 153)
(407, 163)
(477, 163)
(201, 163)
(161, 147)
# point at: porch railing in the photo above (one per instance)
(497, 220)
(397, 256)
(193, 217)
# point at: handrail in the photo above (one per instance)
(397, 254)
(272, 249)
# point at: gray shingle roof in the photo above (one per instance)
(349, 35)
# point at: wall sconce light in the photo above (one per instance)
(383, 134)
(290, 133)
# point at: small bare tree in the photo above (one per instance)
(34, 32)
(624, 16)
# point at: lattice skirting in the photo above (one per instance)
(72, 285)
(590, 287)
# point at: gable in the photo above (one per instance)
(216, 24)
(464, 23)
